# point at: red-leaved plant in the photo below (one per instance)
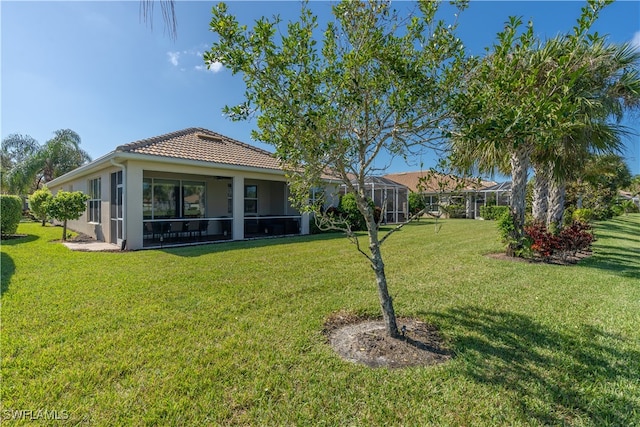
(570, 240)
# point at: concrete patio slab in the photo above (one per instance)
(92, 246)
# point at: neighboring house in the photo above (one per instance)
(627, 195)
(441, 191)
(185, 187)
(387, 194)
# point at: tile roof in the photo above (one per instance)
(412, 180)
(203, 145)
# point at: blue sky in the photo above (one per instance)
(96, 68)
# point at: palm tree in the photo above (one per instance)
(61, 154)
(16, 149)
(604, 85)
(501, 115)
(168, 15)
(57, 156)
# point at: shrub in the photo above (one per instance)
(582, 215)
(629, 207)
(67, 206)
(455, 210)
(569, 240)
(38, 202)
(543, 242)
(416, 203)
(10, 214)
(493, 212)
(506, 226)
(617, 210)
(576, 237)
(348, 210)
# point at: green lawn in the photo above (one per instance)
(232, 333)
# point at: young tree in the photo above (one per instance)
(66, 206)
(38, 202)
(377, 83)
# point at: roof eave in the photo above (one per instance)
(123, 156)
(83, 170)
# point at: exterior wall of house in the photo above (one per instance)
(273, 196)
(98, 230)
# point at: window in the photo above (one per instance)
(316, 197)
(230, 198)
(193, 194)
(251, 199)
(95, 200)
(165, 192)
(169, 198)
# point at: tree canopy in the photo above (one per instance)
(529, 102)
(27, 165)
(65, 206)
(332, 101)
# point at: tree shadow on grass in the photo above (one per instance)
(232, 245)
(558, 375)
(622, 261)
(617, 225)
(19, 240)
(7, 268)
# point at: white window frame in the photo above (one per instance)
(253, 200)
(94, 204)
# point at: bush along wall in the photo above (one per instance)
(10, 214)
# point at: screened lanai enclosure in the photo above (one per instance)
(495, 195)
(391, 197)
(186, 209)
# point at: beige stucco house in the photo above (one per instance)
(185, 187)
(440, 190)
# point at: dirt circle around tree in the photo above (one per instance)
(365, 341)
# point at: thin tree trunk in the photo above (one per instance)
(540, 203)
(64, 230)
(520, 159)
(557, 192)
(386, 302)
(377, 264)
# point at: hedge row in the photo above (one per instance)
(493, 212)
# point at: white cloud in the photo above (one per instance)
(214, 67)
(173, 58)
(186, 57)
(635, 41)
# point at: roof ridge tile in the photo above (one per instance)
(154, 139)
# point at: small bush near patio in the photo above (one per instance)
(232, 334)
